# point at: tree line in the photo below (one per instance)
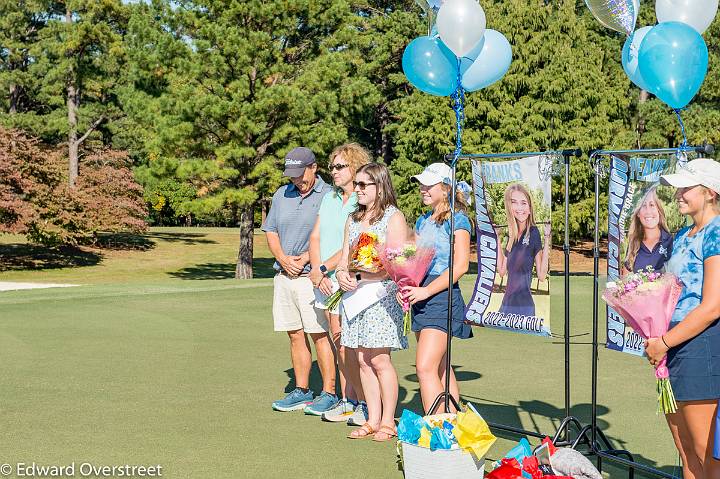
(203, 98)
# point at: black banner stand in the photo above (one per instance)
(599, 444)
(445, 396)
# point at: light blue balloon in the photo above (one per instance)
(631, 56)
(673, 62)
(491, 64)
(430, 66)
(471, 56)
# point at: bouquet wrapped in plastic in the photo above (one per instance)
(364, 256)
(407, 264)
(646, 301)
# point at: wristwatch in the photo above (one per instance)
(323, 269)
(358, 276)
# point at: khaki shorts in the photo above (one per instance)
(294, 306)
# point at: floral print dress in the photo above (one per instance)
(381, 324)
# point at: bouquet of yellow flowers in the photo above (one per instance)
(364, 256)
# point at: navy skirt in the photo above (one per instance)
(432, 312)
(695, 366)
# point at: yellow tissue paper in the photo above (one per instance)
(473, 433)
(425, 436)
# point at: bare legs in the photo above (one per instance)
(693, 430)
(380, 385)
(348, 368)
(430, 365)
(302, 359)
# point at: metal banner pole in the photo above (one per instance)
(566, 249)
(563, 429)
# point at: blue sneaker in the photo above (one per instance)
(323, 403)
(293, 401)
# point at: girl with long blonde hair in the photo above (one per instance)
(524, 250)
(692, 343)
(430, 300)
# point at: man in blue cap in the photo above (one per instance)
(287, 227)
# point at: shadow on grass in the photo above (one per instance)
(185, 238)
(414, 403)
(316, 384)
(262, 268)
(16, 257)
(124, 241)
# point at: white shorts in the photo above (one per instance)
(294, 306)
(321, 298)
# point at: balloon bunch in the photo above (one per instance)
(461, 54)
(670, 59)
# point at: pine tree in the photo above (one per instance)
(72, 53)
(237, 85)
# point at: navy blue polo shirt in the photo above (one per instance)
(292, 216)
(657, 257)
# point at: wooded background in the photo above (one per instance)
(196, 103)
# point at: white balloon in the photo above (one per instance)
(699, 14)
(461, 25)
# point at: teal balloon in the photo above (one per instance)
(673, 62)
(491, 64)
(430, 66)
(631, 57)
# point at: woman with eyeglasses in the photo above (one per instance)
(326, 242)
(377, 329)
(430, 300)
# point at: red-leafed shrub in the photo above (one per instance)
(35, 197)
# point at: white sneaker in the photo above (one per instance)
(360, 416)
(339, 413)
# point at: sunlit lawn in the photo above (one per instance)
(162, 358)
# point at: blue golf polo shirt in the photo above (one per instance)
(657, 257)
(292, 216)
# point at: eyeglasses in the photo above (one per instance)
(361, 185)
(337, 167)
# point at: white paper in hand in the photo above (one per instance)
(366, 294)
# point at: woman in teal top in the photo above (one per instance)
(326, 241)
(692, 344)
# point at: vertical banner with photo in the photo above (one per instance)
(512, 206)
(642, 221)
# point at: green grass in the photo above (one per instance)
(146, 364)
(162, 254)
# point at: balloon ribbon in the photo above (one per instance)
(458, 98)
(684, 143)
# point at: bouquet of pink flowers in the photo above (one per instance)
(646, 301)
(407, 265)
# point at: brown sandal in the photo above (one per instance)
(366, 430)
(389, 431)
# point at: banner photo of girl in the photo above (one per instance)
(512, 206)
(642, 222)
